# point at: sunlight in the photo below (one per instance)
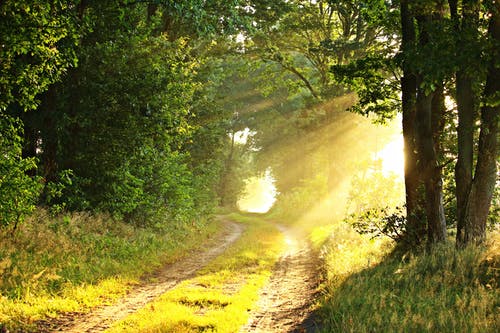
(392, 157)
(366, 145)
(241, 137)
(260, 194)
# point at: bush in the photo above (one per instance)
(381, 222)
(18, 191)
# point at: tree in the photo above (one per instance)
(475, 191)
(435, 43)
(311, 36)
(38, 41)
(130, 120)
(408, 95)
(429, 115)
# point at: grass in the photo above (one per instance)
(75, 262)
(219, 298)
(370, 290)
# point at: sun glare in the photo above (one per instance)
(392, 157)
(241, 137)
(260, 194)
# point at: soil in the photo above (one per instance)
(286, 302)
(101, 318)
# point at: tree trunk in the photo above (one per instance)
(151, 11)
(438, 109)
(49, 135)
(466, 30)
(225, 200)
(430, 170)
(465, 131)
(31, 136)
(479, 201)
(415, 227)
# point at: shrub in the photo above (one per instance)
(381, 222)
(18, 191)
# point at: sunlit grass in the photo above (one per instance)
(442, 291)
(219, 298)
(73, 263)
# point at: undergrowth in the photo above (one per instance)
(444, 290)
(219, 298)
(75, 262)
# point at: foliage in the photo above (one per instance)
(139, 122)
(18, 190)
(309, 37)
(38, 41)
(370, 77)
(301, 198)
(54, 191)
(371, 188)
(130, 137)
(376, 222)
(214, 156)
(126, 120)
(374, 205)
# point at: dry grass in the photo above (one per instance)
(442, 291)
(75, 262)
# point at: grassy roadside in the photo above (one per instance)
(219, 297)
(369, 290)
(73, 263)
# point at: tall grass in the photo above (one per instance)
(444, 290)
(74, 262)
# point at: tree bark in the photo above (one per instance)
(31, 136)
(415, 227)
(438, 109)
(225, 199)
(429, 169)
(465, 132)
(49, 135)
(426, 147)
(466, 30)
(479, 200)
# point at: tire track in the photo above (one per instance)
(285, 303)
(168, 277)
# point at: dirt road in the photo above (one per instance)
(165, 279)
(285, 303)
